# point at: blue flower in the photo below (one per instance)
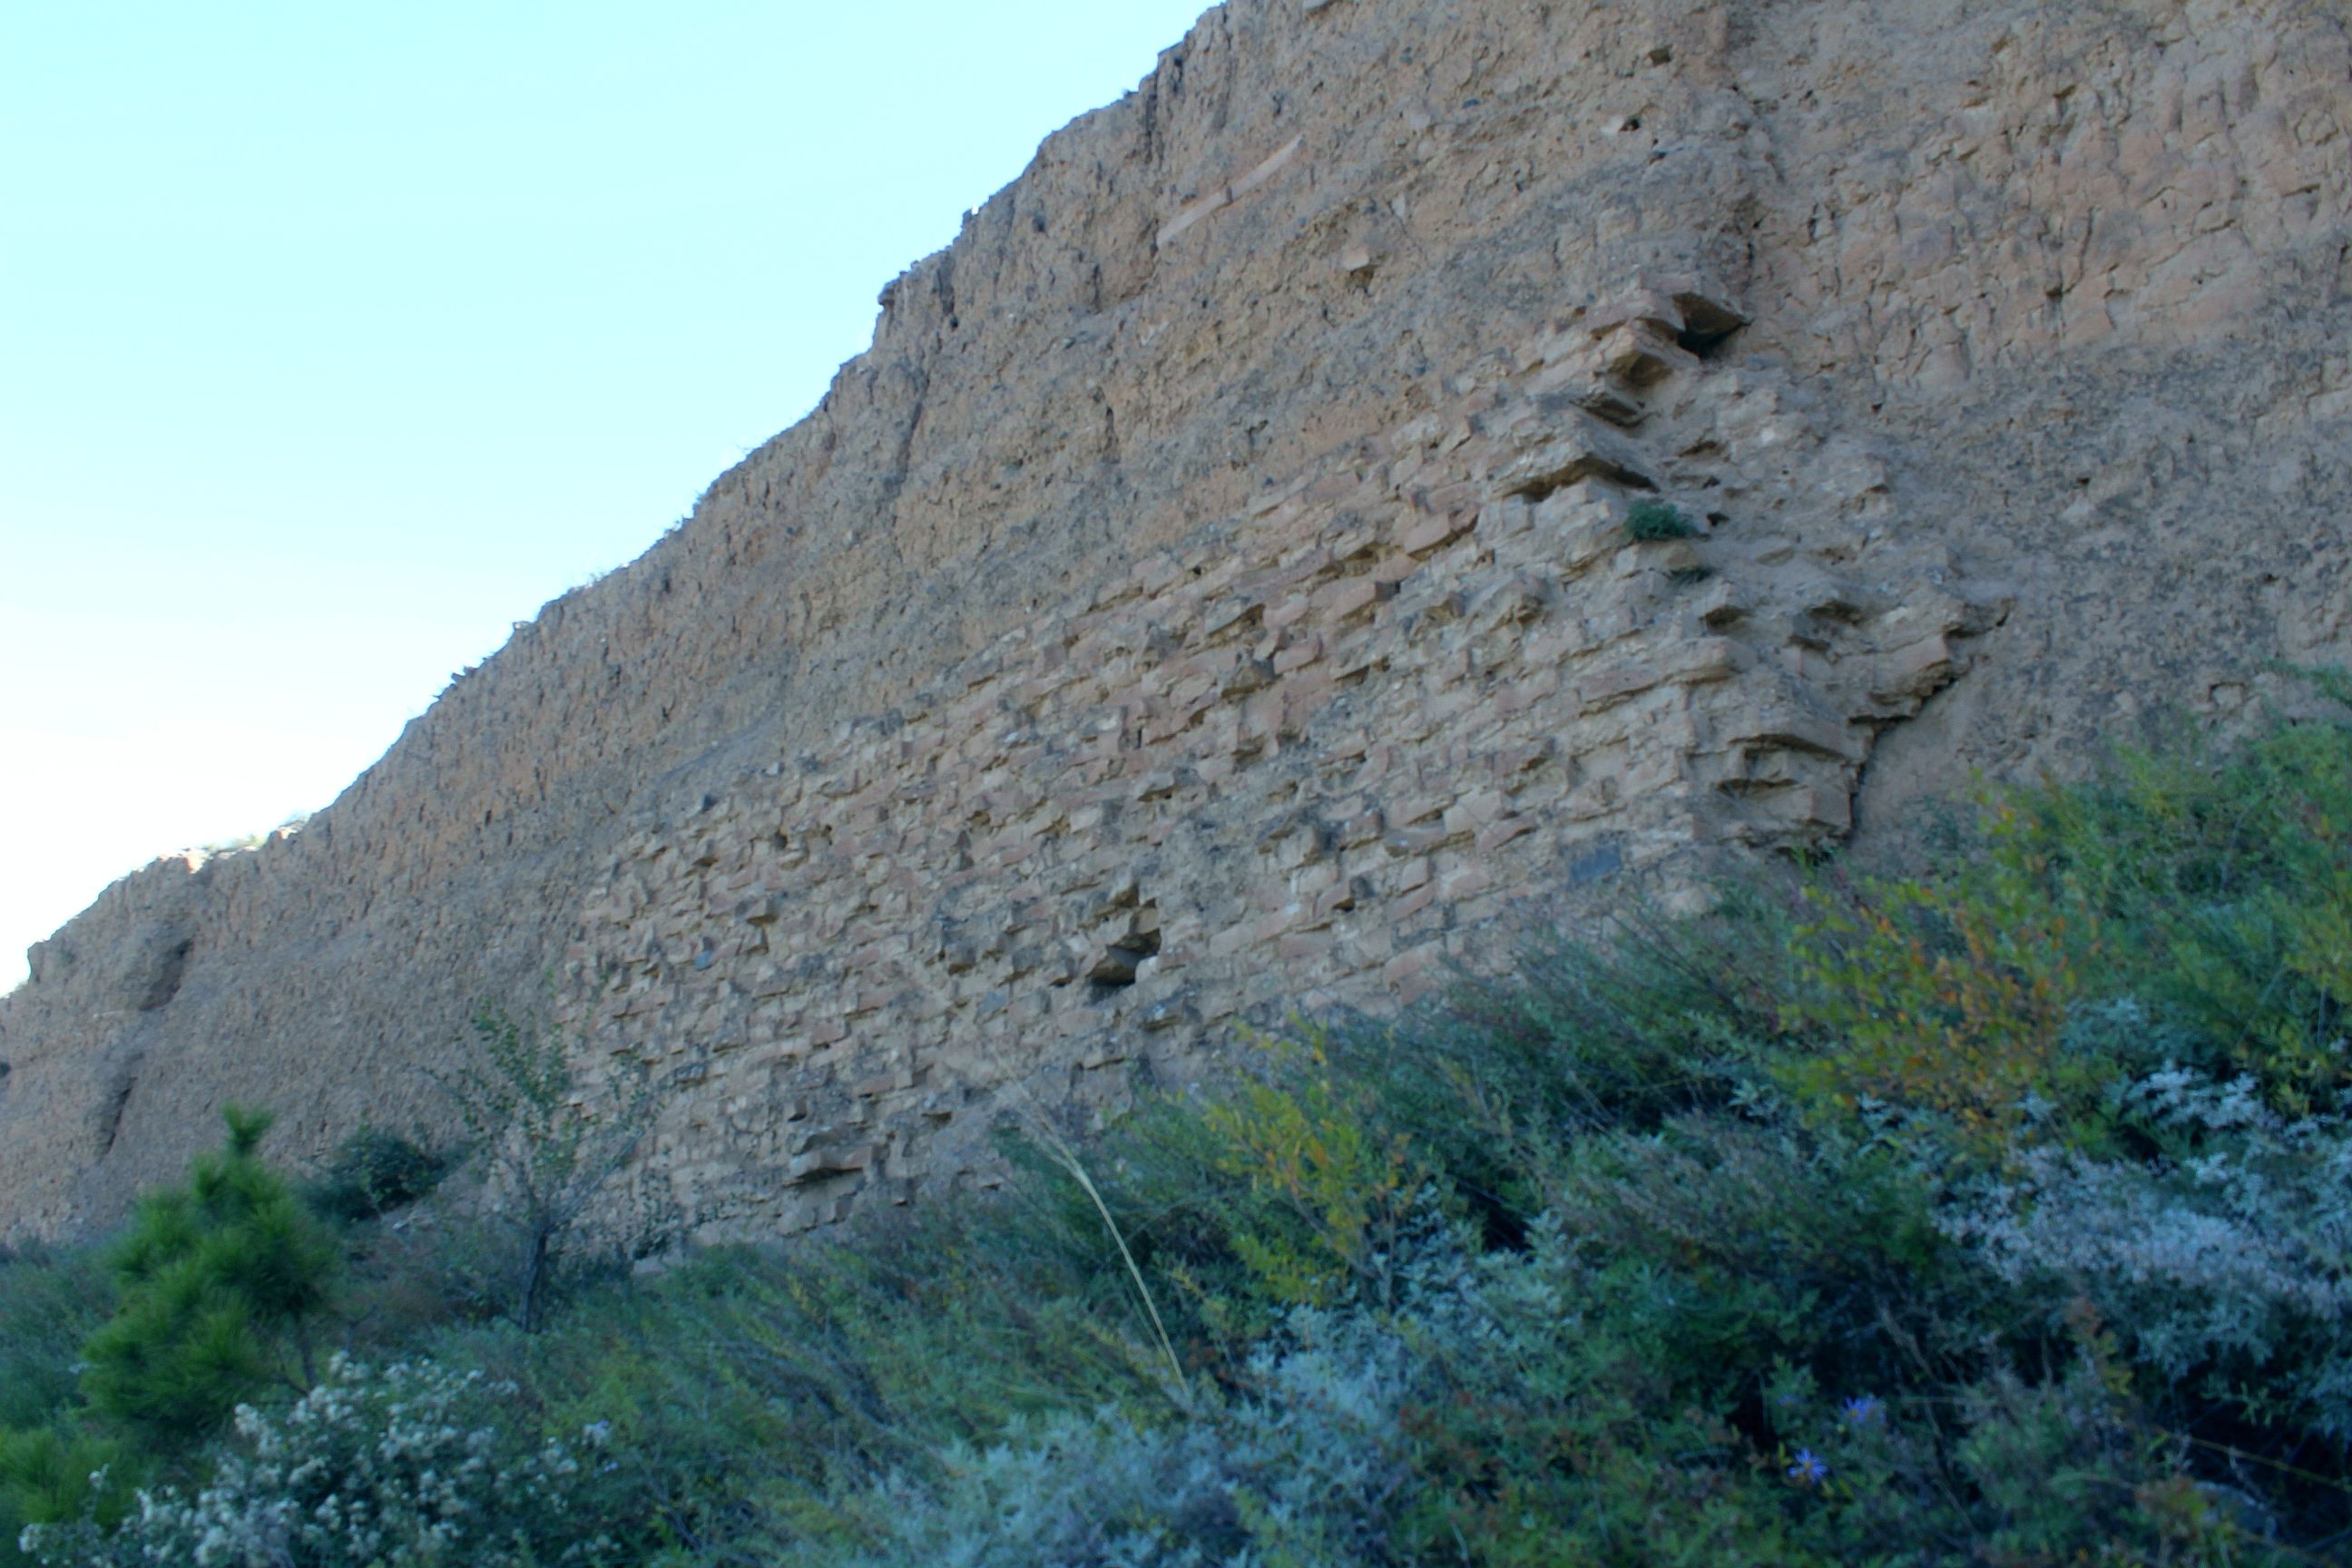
(1861, 1410)
(1808, 1469)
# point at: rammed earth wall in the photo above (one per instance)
(1213, 596)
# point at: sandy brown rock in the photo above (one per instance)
(1211, 594)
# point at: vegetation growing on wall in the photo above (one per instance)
(1995, 1213)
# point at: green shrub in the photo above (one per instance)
(50, 1301)
(748, 1391)
(2225, 884)
(1492, 1083)
(372, 1173)
(1651, 521)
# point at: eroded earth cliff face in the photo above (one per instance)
(1213, 596)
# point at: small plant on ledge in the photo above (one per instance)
(1654, 522)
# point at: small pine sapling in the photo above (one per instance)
(221, 1279)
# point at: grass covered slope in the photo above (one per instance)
(2001, 1215)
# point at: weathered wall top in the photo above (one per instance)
(1213, 592)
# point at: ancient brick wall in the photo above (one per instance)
(1211, 594)
(1305, 761)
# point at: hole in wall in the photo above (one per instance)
(165, 983)
(1704, 346)
(1119, 962)
(1708, 325)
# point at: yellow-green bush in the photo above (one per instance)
(1310, 1138)
(1949, 994)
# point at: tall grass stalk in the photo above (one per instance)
(1067, 1158)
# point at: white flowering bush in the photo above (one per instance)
(397, 1467)
(1305, 1471)
(1307, 1463)
(2227, 1257)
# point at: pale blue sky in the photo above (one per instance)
(334, 339)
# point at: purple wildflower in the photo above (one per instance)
(1809, 1469)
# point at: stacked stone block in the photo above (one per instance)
(1308, 762)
